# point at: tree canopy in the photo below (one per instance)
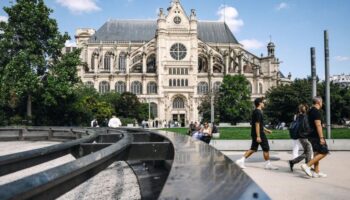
(32, 67)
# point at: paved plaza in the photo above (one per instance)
(279, 184)
(283, 184)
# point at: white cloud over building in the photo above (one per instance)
(79, 6)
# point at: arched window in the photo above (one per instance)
(152, 88)
(174, 82)
(186, 82)
(120, 87)
(94, 56)
(202, 88)
(103, 87)
(89, 84)
(250, 87)
(154, 110)
(136, 87)
(182, 82)
(107, 61)
(122, 62)
(178, 83)
(261, 88)
(202, 64)
(178, 103)
(216, 86)
(151, 64)
(170, 82)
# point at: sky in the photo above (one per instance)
(293, 25)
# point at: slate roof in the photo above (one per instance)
(145, 30)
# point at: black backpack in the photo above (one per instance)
(304, 127)
(294, 129)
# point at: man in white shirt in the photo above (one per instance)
(114, 122)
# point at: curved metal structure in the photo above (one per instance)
(178, 166)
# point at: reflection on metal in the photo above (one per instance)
(168, 165)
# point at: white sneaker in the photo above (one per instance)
(240, 163)
(306, 169)
(270, 166)
(319, 175)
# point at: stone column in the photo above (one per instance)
(144, 67)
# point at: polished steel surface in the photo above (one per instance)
(199, 171)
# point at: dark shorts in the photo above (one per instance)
(264, 143)
(317, 147)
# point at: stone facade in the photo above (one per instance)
(170, 63)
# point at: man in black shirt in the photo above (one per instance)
(316, 139)
(258, 136)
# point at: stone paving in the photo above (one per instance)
(283, 184)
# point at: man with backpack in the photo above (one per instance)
(316, 139)
(300, 130)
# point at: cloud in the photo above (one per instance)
(3, 18)
(342, 58)
(79, 6)
(251, 44)
(230, 16)
(281, 6)
(70, 43)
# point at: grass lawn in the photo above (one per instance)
(231, 133)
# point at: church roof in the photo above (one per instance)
(145, 30)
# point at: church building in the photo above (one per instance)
(171, 62)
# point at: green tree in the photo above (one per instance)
(205, 108)
(234, 99)
(32, 67)
(340, 101)
(283, 100)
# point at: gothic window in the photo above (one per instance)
(202, 88)
(216, 86)
(107, 61)
(250, 87)
(170, 71)
(92, 62)
(151, 64)
(120, 87)
(186, 82)
(89, 84)
(178, 103)
(174, 82)
(103, 87)
(152, 88)
(122, 62)
(136, 87)
(178, 83)
(186, 71)
(182, 82)
(261, 88)
(154, 110)
(170, 82)
(178, 51)
(202, 64)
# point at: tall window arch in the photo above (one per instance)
(122, 62)
(152, 88)
(202, 64)
(151, 64)
(261, 88)
(136, 87)
(103, 87)
(107, 61)
(154, 109)
(216, 86)
(202, 88)
(250, 87)
(120, 87)
(178, 103)
(94, 56)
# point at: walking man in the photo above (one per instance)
(316, 139)
(258, 136)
